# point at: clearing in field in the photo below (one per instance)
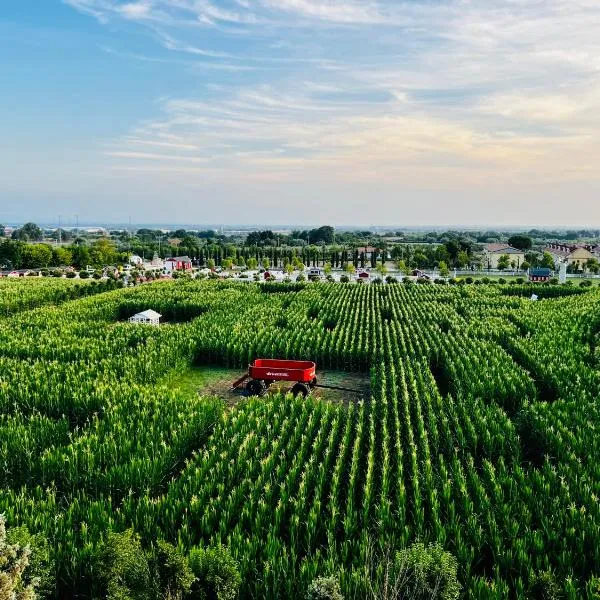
(217, 381)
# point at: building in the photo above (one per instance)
(148, 317)
(494, 252)
(539, 275)
(178, 263)
(575, 256)
(136, 260)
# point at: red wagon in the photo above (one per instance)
(264, 371)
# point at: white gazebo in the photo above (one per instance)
(150, 317)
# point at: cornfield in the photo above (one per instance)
(480, 433)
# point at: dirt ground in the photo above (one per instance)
(217, 381)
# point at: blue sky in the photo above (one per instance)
(301, 111)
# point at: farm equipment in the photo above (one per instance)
(263, 372)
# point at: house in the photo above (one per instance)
(539, 275)
(494, 252)
(315, 272)
(574, 255)
(136, 260)
(419, 274)
(178, 263)
(363, 275)
(367, 251)
(149, 317)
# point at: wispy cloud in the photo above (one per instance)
(497, 90)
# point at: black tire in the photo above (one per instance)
(255, 387)
(313, 383)
(301, 388)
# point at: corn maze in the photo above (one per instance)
(481, 433)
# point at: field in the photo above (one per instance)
(478, 429)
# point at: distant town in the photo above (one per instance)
(335, 254)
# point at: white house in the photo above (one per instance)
(136, 260)
(149, 317)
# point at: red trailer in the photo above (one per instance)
(264, 371)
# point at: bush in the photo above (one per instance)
(468, 280)
(520, 281)
(344, 279)
(485, 280)
(324, 588)
(427, 572)
(585, 283)
(300, 277)
(41, 564)
(171, 571)
(84, 275)
(391, 279)
(502, 281)
(70, 274)
(17, 566)
(123, 569)
(553, 281)
(377, 280)
(544, 586)
(217, 574)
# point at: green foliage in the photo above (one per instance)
(522, 242)
(172, 571)
(324, 588)
(427, 573)
(544, 586)
(217, 574)
(16, 581)
(123, 570)
(40, 571)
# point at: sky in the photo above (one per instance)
(346, 112)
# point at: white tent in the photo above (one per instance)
(151, 317)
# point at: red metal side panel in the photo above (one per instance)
(282, 370)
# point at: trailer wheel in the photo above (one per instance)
(313, 383)
(301, 388)
(255, 387)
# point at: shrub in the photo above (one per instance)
(171, 571)
(520, 281)
(585, 283)
(300, 277)
(502, 281)
(553, 281)
(391, 279)
(377, 280)
(15, 568)
(427, 572)
(544, 586)
(217, 574)
(123, 569)
(70, 274)
(344, 279)
(324, 588)
(468, 280)
(84, 275)
(485, 280)
(41, 564)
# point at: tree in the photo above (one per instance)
(210, 263)
(443, 267)
(402, 267)
(36, 256)
(350, 268)
(381, 268)
(227, 264)
(30, 232)
(525, 266)
(266, 263)
(217, 574)
(15, 581)
(288, 268)
(252, 263)
(462, 258)
(324, 588)
(593, 266)
(522, 242)
(547, 261)
(61, 256)
(503, 262)
(327, 268)
(103, 253)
